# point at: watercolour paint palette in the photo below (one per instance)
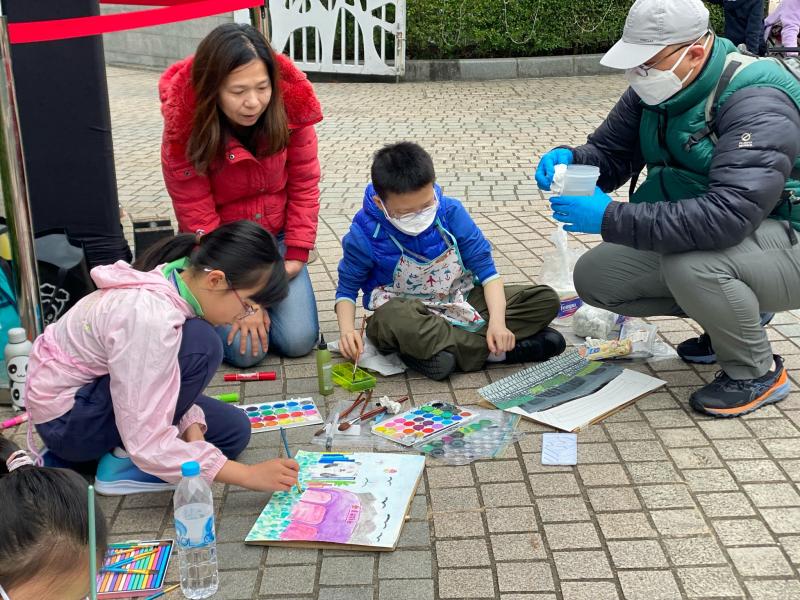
(418, 424)
(155, 559)
(271, 416)
(356, 501)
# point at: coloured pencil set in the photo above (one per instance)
(133, 569)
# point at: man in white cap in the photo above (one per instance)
(711, 232)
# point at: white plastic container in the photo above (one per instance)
(16, 357)
(580, 180)
(196, 538)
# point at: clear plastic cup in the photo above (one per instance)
(580, 180)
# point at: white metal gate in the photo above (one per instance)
(363, 37)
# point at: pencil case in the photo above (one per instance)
(342, 375)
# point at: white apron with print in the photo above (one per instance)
(441, 284)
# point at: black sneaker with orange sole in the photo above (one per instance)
(726, 397)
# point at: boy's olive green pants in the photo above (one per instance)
(404, 325)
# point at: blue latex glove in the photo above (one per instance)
(583, 214)
(546, 168)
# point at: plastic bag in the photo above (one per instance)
(357, 437)
(557, 271)
(646, 344)
(596, 323)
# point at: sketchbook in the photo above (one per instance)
(357, 501)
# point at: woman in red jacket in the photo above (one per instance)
(239, 143)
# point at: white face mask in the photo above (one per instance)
(655, 86)
(414, 223)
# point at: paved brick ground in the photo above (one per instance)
(663, 503)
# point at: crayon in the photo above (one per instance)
(260, 376)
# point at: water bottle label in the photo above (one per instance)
(195, 533)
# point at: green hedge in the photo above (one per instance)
(502, 28)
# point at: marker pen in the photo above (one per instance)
(18, 420)
(260, 376)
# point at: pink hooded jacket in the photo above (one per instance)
(130, 329)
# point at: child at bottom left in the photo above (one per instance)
(44, 530)
(120, 377)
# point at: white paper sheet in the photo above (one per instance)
(371, 358)
(577, 414)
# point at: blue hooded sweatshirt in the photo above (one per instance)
(370, 256)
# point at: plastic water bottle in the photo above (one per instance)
(16, 358)
(324, 368)
(194, 529)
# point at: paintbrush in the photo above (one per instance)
(366, 416)
(289, 455)
(361, 334)
(361, 397)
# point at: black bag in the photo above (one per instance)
(63, 274)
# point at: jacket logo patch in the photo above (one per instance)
(746, 140)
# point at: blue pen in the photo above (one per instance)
(289, 455)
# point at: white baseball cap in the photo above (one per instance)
(651, 26)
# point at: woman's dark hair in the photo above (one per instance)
(243, 250)
(225, 49)
(401, 168)
(44, 521)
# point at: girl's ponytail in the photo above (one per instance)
(166, 250)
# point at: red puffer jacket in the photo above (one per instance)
(280, 192)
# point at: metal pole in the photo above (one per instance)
(259, 20)
(15, 195)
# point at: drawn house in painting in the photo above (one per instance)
(332, 515)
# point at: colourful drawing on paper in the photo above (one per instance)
(358, 499)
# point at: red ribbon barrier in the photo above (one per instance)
(62, 29)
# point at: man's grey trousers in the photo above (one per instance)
(723, 290)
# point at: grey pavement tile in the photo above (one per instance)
(239, 556)
(562, 536)
(666, 496)
(602, 475)
(709, 582)
(345, 593)
(596, 453)
(637, 430)
(555, 484)
(639, 554)
(765, 561)
(653, 472)
(402, 564)
(466, 583)
(679, 522)
(742, 532)
(390, 589)
(746, 471)
(458, 524)
(346, 570)
(783, 447)
(782, 520)
(649, 585)
(582, 564)
(525, 577)
(766, 495)
(517, 546)
(236, 585)
(613, 499)
(414, 534)
(289, 580)
(447, 500)
(448, 477)
(570, 508)
(277, 555)
(694, 551)
(419, 507)
(639, 451)
(695, 458)
(724, 429)
(628, 525)
(773, 590)
(725, 504)
(791, 545)
(773, 428)
(505, 494)
(685, 437)
(588, 590)
(792, 468)
(498, 470)
(739, 449)
(669, 419)
(462, 553)
(511, 520)
(710, 480)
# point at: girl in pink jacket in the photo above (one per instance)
(126, 367)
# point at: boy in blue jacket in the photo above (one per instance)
(427, 273)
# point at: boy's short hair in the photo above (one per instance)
(401, 168)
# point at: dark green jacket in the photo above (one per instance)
(710, 196)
